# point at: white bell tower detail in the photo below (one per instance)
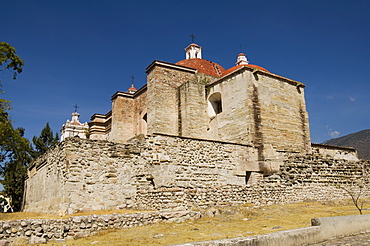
(241, 60)
(193, 51)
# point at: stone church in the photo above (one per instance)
(195, 135)
(199, 98)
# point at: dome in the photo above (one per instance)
(244, 65)
(132, 89)
(203, 66)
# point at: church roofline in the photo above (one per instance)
(169, 65)
(129, 95)
(105, 116)
(258, 71)
(193, 44)
(290, 81)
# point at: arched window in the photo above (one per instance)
(214, 104)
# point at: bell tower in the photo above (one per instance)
(241, 60)
(193, 51)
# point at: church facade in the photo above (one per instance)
(74, 128)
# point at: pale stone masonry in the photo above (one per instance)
(167, 172)
(43, 230)
(195, 97)
(195, 135)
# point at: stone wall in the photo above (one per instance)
(46, 182)
(140, 115)
(123, 121)
(163, 100)
(260, 108)
(97, 175)
(100, 126)
(235, 122)
(346, 153)
(128, 115)
(166, 172)
(253, 107)
(193, 118)
(43, 230)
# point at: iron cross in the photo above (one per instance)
(76, 107)
(192, 38)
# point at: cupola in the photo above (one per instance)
(241, 60)
(75, 117)
(132, 89)
(193, 51)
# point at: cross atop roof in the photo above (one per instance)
(76, 107)
(192, 38)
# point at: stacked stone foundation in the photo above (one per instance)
(44, 230)
(165, 172)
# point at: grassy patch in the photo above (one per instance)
(232, 222)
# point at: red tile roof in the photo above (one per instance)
(247, 65)
(203, 66)
(212, 68)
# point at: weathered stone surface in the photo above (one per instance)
(196, 174)
(41, 231)
(248, 106)
(4, 243)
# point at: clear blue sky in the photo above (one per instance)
(83, 51)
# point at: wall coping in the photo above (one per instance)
(332, 147)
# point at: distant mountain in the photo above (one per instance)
(359, 140)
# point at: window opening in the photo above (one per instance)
(215, 104)
(247, 176)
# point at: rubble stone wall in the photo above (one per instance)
(166, 172)
(43, 230)
(44, 187)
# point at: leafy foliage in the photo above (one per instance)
(14, 157)
(9, 60)
(44, 141)
(15, 150)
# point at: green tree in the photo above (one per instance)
(44, 141)
(9, 60)
(15, 150)
(15, 157)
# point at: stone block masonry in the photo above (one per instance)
(165, 172)
(43, 230)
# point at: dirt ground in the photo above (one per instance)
(231, 222)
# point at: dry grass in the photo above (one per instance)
(233, 222)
